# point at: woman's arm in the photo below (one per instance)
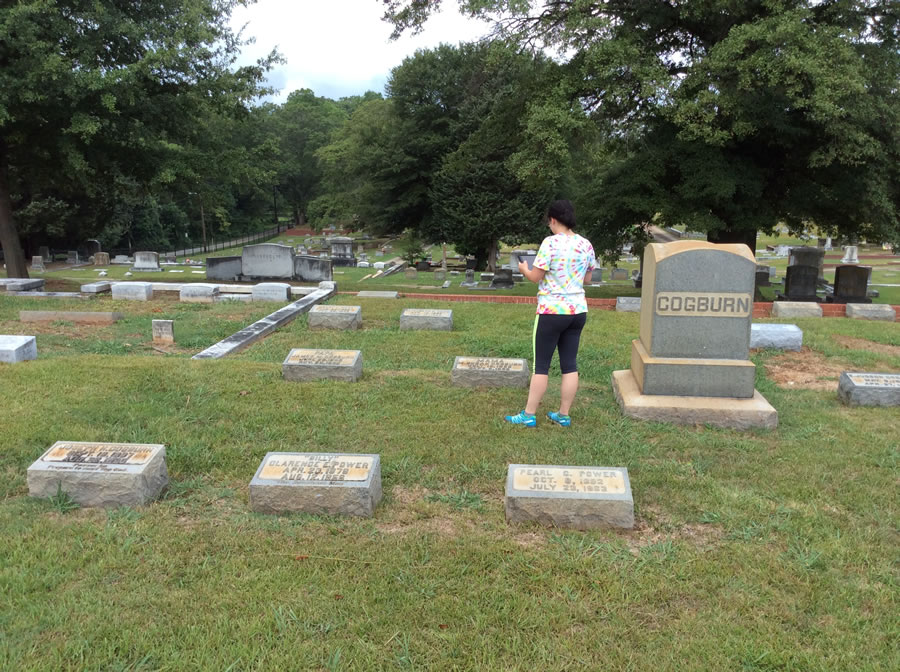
(533, 274)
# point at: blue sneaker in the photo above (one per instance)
(522, 418)
(561, 420)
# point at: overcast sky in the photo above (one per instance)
(339, 47)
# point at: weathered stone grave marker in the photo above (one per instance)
(317, 483)
(100, 474)
(37, 264)
(304, 364)
(489, 372)
(378, 295)
(871, 311)
(869, 389)
(96, 287)
(163, 331)
(426, 319)
(796, 309)
(776, 336)
(691, 363)
(92, 317)
(578, 498)
(146, 262)
(133, 291)
(271, 291)
(800, 284)
(14, 349)
(851, 284)
(101, 259)
(334, 317)
(198, 292)
(628, 304)
(267, 260)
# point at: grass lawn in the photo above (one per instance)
(764, 550)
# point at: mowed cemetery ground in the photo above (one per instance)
(761, 550)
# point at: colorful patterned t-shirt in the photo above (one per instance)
(566, 260)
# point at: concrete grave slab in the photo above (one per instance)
(776, 336)
(271, 291)
(50, 295)
(198, 293)
(796, 309)
(378, 295)
(869, 389)
(579, 498)
(317, 483)
(23, 284)
(132, 291)
(14, 349)
(100, 474)
(871, 311)
(426, 319)
(304, 364)
(334, 317)
(92, 317)
(489, 372)
(96, 287)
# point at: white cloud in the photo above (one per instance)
(339, 47)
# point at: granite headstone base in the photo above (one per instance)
(489, 372)
(100, 474)
(716, 411)
(303, 365)
(687, 377)
(579, 498)
(869, 389)
(317, 483)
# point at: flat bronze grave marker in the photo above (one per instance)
(570, 497)
(100, 474)
(318, 483)
(303, 364)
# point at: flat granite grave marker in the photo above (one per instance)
(22, 284)
(69, 316)
(14, 349)
(691, 363)
(579, 498)
(304, 364)
(198, 293)
(489, 372)
(271, 291)
(869, 389)
(133, 291)
(426, 319)
(317, 483)
(796, 309)
(378, 295)
(334, 317)
(96, 287)
(628, 304)
(871, 311)
(163, 331)
(100, 474)
(776, 336)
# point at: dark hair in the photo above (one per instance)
(562, 211)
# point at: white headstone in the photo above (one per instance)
(133, 291)
(15, 349)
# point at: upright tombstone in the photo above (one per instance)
(342, 251)
(100, 474)
(146, 262)
(579, 498)
(163, 331)
(800, 284)
(303, 365)
(411, 273)
(782, 250)
(267, 260)
(44, 253)
(470, 280)
(223, 269)
(334, 317)
(426, 319)
(869, 389)
(14, 349)
(317, 483)
(851, 255)
(72, 257)
(503, 279)
(312, 269)
(37, 264)
(851, 284)
(619, 274)
(691, 363)
(101, 259)
(809, 256)
(489, 372)
(91, 247)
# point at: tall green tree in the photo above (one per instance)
(726, 115)
(101, 100)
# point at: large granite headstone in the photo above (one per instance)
(100, 474)
(809, 256)
(489, 372)
(267, 260)
(146, 261)
(101, 259)
(317, 483)
(303, 364)
(579, 498)
(851, 284)
(503, 279)
(14, 349)
(426, 319)
(691, 363)
(342, 251)
(334, 317)
(800, 283)
(312, 269)
(44, 253)
(869, 389)
(224, 269)
(72, 257)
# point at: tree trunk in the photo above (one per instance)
(493, 254)
(9, 239)
(723, 236)
(296, 213)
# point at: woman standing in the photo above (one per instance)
(563, 264)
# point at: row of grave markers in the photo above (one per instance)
(110, 475)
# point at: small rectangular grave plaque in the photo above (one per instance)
(489, 372)
(869, 389)
(425, 318)
(163, 331)
(317, 483)
(100, 474)
(334, 317)
(306, 364)
(569, 497)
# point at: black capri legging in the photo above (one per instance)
(557, 331)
